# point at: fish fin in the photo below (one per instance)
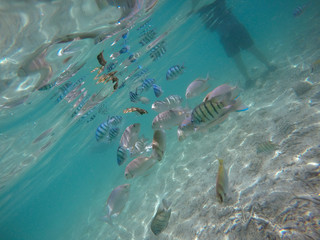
(107, 219)
(208, 77)
(239, 107)
(165, 204)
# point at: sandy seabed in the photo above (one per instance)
(272, 195)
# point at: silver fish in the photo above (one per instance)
(158, 144)
(185, 128)
(168, 119)
(221, 183)
(130, 136)
(117, 201)
(139, 166)
(223, 93)
(161, 219)
(171, 102)
(197, 87)
(139, 148)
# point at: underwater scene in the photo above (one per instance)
(160, 119)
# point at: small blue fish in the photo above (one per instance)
(102, 131)
(113, 133)
(147, 84)
(114, 120)
(157, 90)
(174, 71)
(121, 155)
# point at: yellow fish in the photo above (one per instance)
(222, 182)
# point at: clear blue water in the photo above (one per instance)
(56, 187)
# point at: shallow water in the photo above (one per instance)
(55, 177)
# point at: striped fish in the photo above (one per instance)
(64, 90)
(113, 133)
(147, 37)
(147, 84)
(157, 90)
(158, 51)
(161, 219)
(134, 97)
(168, 103)
(47, 86)
(90, 115)
(299, 10)
(121, 155)
(81, 104)
(267, 147)
(207, 112)
(215, 112)
(102, 131)
(174, 71)
(114, 120)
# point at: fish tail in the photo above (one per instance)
(239, 106)
(220, 161)
(165, 204)
(208, 77)
(107, 219)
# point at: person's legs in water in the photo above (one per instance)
(242, 69)
(261, 57)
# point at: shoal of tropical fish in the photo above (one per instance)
(135, 154)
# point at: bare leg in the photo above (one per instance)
(261, 57)
(242, 68)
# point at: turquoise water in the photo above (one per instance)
(55, 185)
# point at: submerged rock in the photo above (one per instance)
(302, 88)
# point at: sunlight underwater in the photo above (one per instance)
(128, 120)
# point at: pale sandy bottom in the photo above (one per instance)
(272, 195)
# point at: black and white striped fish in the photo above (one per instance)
(147, 37)
(134, 96)
(161, 219)
(158, 51)
(147, 84)
(157, 90)
(121, 155)
(170, 102)
(102, 131)
(113, 133)
(212, 111)
(114, 120)
(174, 71)
(267, 147)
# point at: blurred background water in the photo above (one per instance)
(54, 176)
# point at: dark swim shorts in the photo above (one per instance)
(234, 36)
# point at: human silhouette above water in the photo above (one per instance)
(234, 37)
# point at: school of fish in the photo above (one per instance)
(134, 153)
